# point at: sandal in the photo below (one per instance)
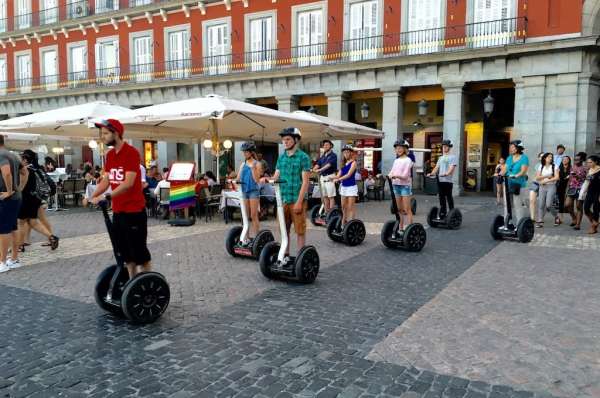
(539, 225)
(53, 240)
(576, 227)
(21, 249)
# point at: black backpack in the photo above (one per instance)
(44, 186)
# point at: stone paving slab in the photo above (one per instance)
(523, 315)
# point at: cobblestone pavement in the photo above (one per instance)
(230, 332)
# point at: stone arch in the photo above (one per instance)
(590, 22)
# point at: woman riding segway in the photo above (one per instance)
(248, 240)
(345, 228)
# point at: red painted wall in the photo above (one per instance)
(545, 18)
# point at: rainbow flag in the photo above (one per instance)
(182, 195)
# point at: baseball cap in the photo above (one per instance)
(113, 125)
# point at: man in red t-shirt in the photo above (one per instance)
(130, 222)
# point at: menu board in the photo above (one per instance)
(181, 172)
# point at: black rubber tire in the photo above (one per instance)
(415, 237)
(525, 230)
(354, 232)
(307, 265)
(146, 297)
(231, 239)
(413, 206)
(496, 224)
(335, 212)
(386, 234)
(332, 226)
(431, 216)
(268, 257)
(102, 285)
(454, 219)
(314, 214)
(262, 238)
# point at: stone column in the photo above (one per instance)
(337, 108)
(587, 129)
(529, 116)
(392, 118)
(167, 153)
(454, 127)
(287, 103)
(197, 158)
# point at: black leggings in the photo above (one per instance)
(591, 206)
(445, 195)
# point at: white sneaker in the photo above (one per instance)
(12, 264)
(4, 267)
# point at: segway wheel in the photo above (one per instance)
(333, 227)
(496, 224)
(262, 238)
(146, 297)
(415, 237)
(454, 219)
(386, 235)
(525, 230)
(433, 213)
(307, 265)
(267, 258)
(413, 206)
(335, 212)
(354, 232)
(314, 214)
(102, 286)
(231, 239)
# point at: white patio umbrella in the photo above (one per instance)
(70, 121)
(217, 118)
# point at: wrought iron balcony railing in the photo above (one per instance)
(362, 49)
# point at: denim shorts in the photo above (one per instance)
(402, 190)
(254, 194)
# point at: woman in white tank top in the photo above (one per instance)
(546, 176)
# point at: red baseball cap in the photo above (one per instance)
(113, 125)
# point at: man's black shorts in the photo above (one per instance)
(130, 232)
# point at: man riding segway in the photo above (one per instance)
(443, 171)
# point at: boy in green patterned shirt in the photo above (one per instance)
(293, 168)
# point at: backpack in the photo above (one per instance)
(44, 186)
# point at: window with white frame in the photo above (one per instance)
(106, 5)
(49, 68)
(107, 61)
(261, 39)
(23, 14)
(142, 65)
(492, 22)
(3, 15)
(423, 31)
(48, 11)
(217, 50)
(137, 3)
(364, 20)
(77, 64)
(178, 53)
(310, 36)
(23, 72)
(3, 76)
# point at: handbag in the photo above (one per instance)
(583, 190)
(514, 188)
(573, 192)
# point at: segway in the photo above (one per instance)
(142, 299)
(504, 227)
(237, 242)
(318, 216)
(352, 234)
(413, 237)
(273, 261)
(452, 220)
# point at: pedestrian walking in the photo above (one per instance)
(32, 197)
(12, 179)
(499, 181)
(564, 174)
(534, 189)
(591, 206)
(573, 204)
(547, 176)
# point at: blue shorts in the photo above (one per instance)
(9, 210)
(254, 194)
(402, 190)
